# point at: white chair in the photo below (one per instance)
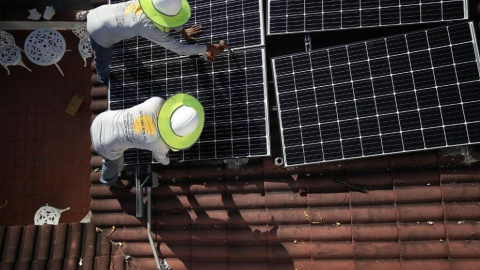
(6, 38)
(85, 48)
(10, 55)
(48, 215)
(80, 30)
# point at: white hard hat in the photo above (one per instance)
(168, 7)
(184, 120)
(167, 13)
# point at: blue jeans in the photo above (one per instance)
(102, 59)
(110, 170)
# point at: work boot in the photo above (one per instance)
(123, 183)
(127, 174)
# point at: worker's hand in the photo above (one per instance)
(191, 32)
(162, 158)
(164, 161)
(216, 49)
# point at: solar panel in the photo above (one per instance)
(237, 22)
(396, 94)
(232, 91)
(298, 16)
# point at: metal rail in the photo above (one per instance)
(149, 226)
(151, 180)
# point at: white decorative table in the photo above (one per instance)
(45, 47)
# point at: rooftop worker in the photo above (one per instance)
(154, 125)
(151, 19)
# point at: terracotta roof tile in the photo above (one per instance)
(420, 212)
(461, 192)
(257, 235)
(462, 210)
(328, 232)
(464, 176)
(373, 197)
(464, 264)
(3, 234)
(466, 249)
(426, 264)
(375, 232)
(421, 231)
(11, 245)
(416, 178)
(418, 194)
(377, 250)
(374, 214)
(389, 222)
(377, 164)
(377, 264)
(458, 230)
(62, 246)
(27, 245)
(434, 249)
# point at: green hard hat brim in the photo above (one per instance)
(165, 128)
(164, 20)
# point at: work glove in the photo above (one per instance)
(216, 49)
(164, 161)
(191, 32)
(162, 158)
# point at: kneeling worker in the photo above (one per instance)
(154, 125)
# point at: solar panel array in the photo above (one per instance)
(237, 22)
(232, 92)
(401, 93)
(295, 16)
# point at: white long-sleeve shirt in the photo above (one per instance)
(113, 132)
(109, 24)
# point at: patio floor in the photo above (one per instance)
(44, 152)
